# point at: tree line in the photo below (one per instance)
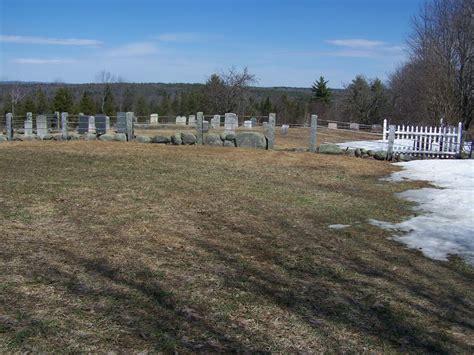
(434, 82)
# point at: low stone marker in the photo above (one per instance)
(248, 124)
(154, 118)
(231, 122)
(181, 120)
(100, 124)
(29, 124)
(91, 128)
(192, 121)
(376, 128)
(332, 125)
(41, 126)
(354, 126)
(284, 129)
(216, 122)
(125, 124)
(205, 126)
(83, 124)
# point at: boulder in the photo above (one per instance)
(121, 137)
(176, 139)
(330, 149)
(250, 140)
(358, 153)
(143, 139)
(31, 137)
(229, 144)
(404, 157)
(371, 153)
(213, 139)
(2, 138)
(108, 137)
(73, 136)
(380, 155)
(188, 138)
(57, 136)
(363, 151)
(228, 136)
(161, 139)
(47, 137)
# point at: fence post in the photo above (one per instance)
(312, 139)
(460, 142)
(384, 129)
(64, 124)
(391, 140)
(271, 130)
(9, 126)
(199, 123)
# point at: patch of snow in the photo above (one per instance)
(447, 223)
(369, 145)
(339, 226)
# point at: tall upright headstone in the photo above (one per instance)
(9, 126)
(107, 123)
(254, 122)
(154, 118)
(64, 126)
(271, 130)
(29, 124)
(181, 120)
(199, 123)
(216, 122)
(230, 123)
(312, 139)
(100, 124)
(91, 128)
(354, 126)
(130, 120)
(83, 124)
(284, 129)
(41, 126)
(192, 121)
(57, 120)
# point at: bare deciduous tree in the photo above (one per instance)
(105, 78)
(16, 95)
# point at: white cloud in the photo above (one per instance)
(183, 37)
(50, 41)
(42, 61)
(134, 49)
(357, 43)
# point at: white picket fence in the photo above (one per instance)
(442, 142)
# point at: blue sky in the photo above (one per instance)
(283, 42)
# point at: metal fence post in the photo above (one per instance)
(199, 123)
(312, 139)
(391, 139)
(64, 124)
(9, 126)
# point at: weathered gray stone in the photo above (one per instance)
(250, 140)
(143, 139)
(213, 139)
(73, 136)
(108, 137)
(90, 136)
(2, 138)
(371, 153)
(358, 153)
(176, 139)
(161, 139)
(188, 138)
(380, 155)
(31, 137)
(154, 118)
(46, 137)
(228, 136)
(330, 149)
(41, 126)
(404, 157)
(57, 136)
(229, 144)
(121, 137)
(363, 151)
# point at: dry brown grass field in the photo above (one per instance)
(128, 247)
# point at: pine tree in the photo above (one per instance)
(29, 105)
(108, 104)
(320, 91)
(266, 106)
(87, 104)
(42, 104)
(63, 100)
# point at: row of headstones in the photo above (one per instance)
(230, 120)
(356, 127)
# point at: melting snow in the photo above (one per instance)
(446, 225)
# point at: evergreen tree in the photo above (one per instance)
(141, 107)
(128, 100)
(29, 105)
(165, 106)
(87, 104)
(108, 104)
(266, 106)
(63, 100)
(320, 91)
(42, 104)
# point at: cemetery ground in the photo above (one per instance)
(133, 247)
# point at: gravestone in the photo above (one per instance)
(57, 120)
(284, 129)
(254, 122)
(9, 126)
(332, 125)
(100, 124)
(107, 123)
(64, 126)
(83, 124)
(205, 126)
(247, 124)
(199, 127)
(231, 122)
(192, 121)
(41, 126)
(312, 139)
(125, 124)
(29, 124)
(376, 128)
(154, 118)
(270, 134)
(354, 126)
(91, 128)
(216, 121)
(181, 120)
